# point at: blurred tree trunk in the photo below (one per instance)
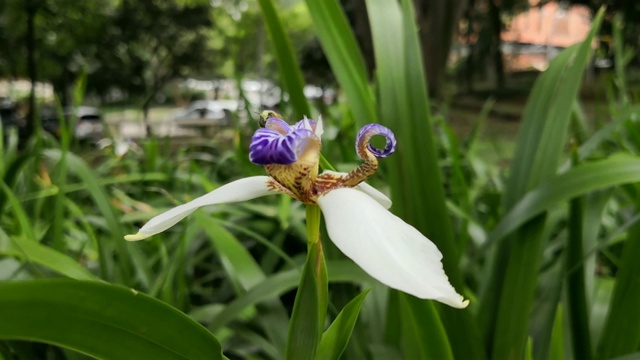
(470, 16)
(438, 23)
(145, 116)
(31, 9)
(496, 42)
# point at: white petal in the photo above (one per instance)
(121, 148)
(319, 127)
(375, 194)
(369, 190)
(387, 248)
(306, 124)
(239, 190)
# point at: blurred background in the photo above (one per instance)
(153, 67)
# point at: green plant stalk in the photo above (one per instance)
(314, 245)
(574, 267)
(511, 327)
(313, 224)
(59, 200)
(310, 305)
(621, 333)
(557, 338)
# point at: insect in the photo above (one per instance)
(267, 114)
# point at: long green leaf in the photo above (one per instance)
(286, 57)
(416, 183)
(344, 56)
(336, 337)
(508, 297)
(101, 320)
(581, 180)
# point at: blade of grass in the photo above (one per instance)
(336, 337)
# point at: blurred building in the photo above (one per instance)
(535, 36)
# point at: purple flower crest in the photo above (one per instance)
(371, 130)
(281, 143)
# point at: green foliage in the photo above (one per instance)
(101, 320)
(336, 337)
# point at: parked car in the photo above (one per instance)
(88, 126)
(9, 114)
(215, 111)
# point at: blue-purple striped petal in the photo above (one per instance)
(278, 125)
(305, 124)
(269, 146)
(371, 130)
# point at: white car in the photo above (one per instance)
(218, 111)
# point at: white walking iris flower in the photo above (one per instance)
(358, 222)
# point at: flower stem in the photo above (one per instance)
(325, 165)
(313, 224)
(310, 306)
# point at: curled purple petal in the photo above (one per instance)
(269, 146)
(364, 138)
